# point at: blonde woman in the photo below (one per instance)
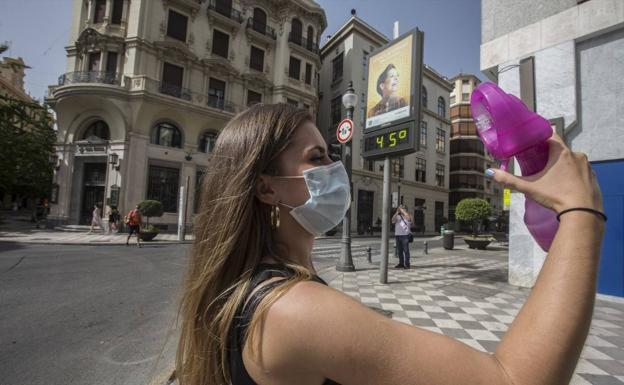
(254, 312)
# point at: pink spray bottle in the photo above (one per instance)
(509, 129)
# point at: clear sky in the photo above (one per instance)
(38, 31)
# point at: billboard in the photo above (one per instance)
(393, 74)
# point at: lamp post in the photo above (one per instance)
(349, 100)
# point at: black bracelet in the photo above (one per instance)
(601, 214)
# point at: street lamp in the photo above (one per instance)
(345, 263)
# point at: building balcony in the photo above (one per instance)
(466, 186)
(175, 91)
(261, 28)
(100, 77)
(227, 14)
(306, 43)
(221, 104)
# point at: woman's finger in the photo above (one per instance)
(508, 180)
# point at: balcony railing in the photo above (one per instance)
(466, 185)
(261, 28)
(175, 90)
(220, 103)
(100, 77)
(308, 43)
(227, 11)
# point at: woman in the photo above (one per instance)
(96, 219)
(113, 219)
(252, 250)
(387, 88)
(402, 228)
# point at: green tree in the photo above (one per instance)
(473, 210)
(27, 139)
(150, 208)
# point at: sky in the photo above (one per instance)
(38, 31)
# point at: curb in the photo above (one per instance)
(61, 243)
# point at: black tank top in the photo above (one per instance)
(236, 338)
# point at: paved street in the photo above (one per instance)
(87, 314)
(104, 314)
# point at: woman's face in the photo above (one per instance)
(391, 84)
(307, 150)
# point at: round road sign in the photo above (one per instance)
(345, 131)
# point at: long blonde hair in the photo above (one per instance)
(232, 233)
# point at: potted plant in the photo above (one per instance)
(150, 208)
(474, 211)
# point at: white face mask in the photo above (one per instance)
(330, 198)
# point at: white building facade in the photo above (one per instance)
(422, 177)
(150, 83)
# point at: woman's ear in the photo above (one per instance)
(264, 191)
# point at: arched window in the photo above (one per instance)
(310, 37)
(166, 134)
(207, 141)
(424, 97)
(259, 20)
(98, 129)
(296, 31)
(441, 106)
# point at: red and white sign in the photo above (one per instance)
(345, 131)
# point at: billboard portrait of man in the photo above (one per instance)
(389, 84)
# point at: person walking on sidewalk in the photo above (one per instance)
(96, 219)
(402, 229)
(254, 311)
(113, 219)
(134, 219)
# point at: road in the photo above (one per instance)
(101, 314)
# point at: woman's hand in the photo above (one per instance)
(567, 180)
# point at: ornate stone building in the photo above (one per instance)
(149, 85)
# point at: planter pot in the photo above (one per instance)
(477, 243)
(148, 235)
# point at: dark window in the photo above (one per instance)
(224, 7)
(292, 102)
(336, 111)
(256, 60)
(308, 73)
(440, 140)
(253, 97)
(465, 97)
(441, 107)
(162, 186)
(424, 97)
(527, 82)
(172, 80)
(220, 43)
(111, 63)
(337, 68)
(421, 170)
(440, 175)
(207, 141)
(94, 61)
(310, 38)
(294, 70)
(419, 215)
(98, 129)
(259, 20)
(369, 165)
(216, 93)
(296, 31)
(117, 11)
(199, 179)
(99, 11)
(474, 146)
(168, 135)
(176, 26)
(468, 163)
(464, 128)
(423, 134)
(398, 167)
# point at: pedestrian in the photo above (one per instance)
(40, 213)
(134, 219)
(402, 229)
(96, 219)
(254, 311)
(113, 219)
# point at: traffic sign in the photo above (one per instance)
(345, 131)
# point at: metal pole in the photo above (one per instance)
(383, 267)
(345, 263)
(181, 211)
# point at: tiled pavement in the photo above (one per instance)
(464, 294)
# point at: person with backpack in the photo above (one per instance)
(134, 220)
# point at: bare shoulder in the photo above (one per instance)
(314, 331)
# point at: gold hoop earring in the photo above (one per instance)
(275, 217)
